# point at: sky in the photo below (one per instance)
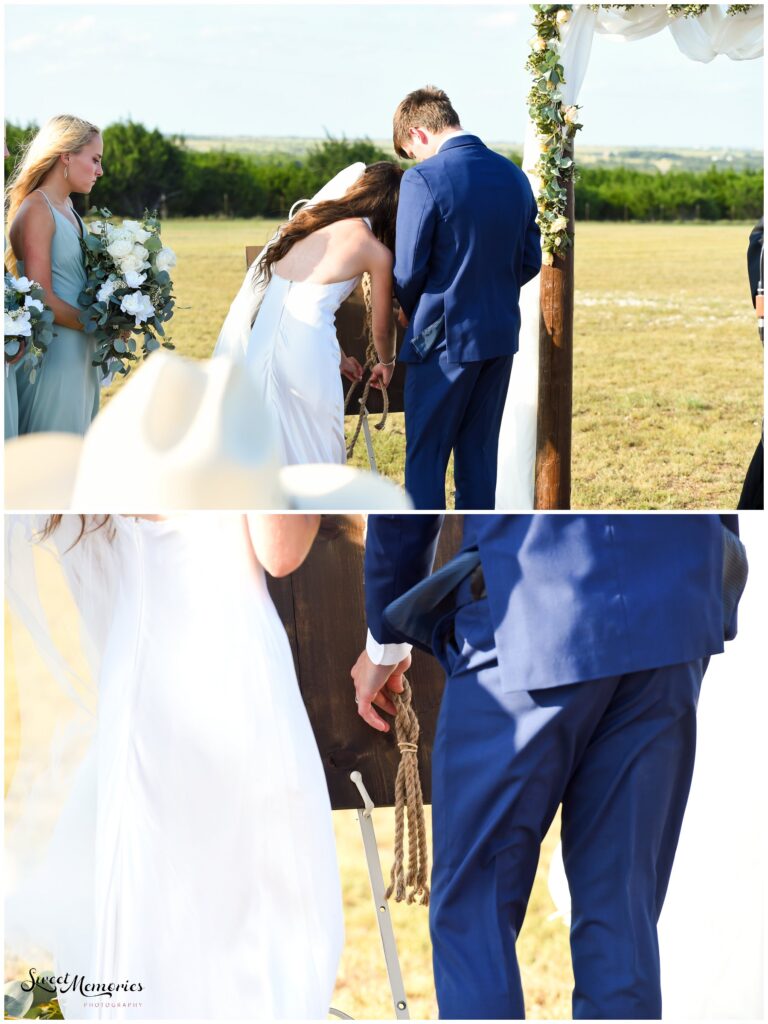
(253, 69)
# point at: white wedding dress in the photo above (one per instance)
(194, 851)
(294, 354)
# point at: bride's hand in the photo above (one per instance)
(381, 375)
(350, 368)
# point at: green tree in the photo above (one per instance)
(219, 183)
(16, 138)
(333, 155)
(142, 170)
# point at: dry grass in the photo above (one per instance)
(668, 369)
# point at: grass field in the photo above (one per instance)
(668, 384)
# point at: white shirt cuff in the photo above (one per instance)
(385, 654)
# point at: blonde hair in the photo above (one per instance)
(61, 134)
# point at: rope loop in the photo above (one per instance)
(412, 884)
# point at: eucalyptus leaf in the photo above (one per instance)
(17, 1001)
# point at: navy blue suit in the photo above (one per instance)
(574, 681)
(467, 241)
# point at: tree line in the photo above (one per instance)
(145, 169)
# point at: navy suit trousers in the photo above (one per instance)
(453, 407)
(618, 754)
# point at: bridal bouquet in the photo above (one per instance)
(129, 290)
(28, 323)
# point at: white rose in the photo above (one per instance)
(22, 284)
(134, 279)
(108, 288)
(130, 264)
(563, 17)
(570, 114)
(548, 259)
(138, 306)
(10, 326)
(22, 324)
(136, 231)
(30, 303)
(560, 224)
(539, 44)
(140, 252)
(165, 259)
(119, 247)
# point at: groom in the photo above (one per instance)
(466, 242)
(574, 657)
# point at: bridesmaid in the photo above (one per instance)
(11, 399)
(45, 233)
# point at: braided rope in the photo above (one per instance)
(411, 886)
(371, 359)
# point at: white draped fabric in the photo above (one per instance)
(739, 37)
(712, 933)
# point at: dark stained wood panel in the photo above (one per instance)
(323, 609)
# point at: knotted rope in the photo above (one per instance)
(371, 359)
(413, 886)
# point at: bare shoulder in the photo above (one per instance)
(363, 235)
(381, 258)
(34, 213)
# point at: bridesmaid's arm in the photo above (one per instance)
(282, 542)
(34, 237)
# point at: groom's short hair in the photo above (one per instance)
(427, 108)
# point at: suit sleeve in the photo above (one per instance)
(417, 218)
(754, 251)
(731, 521)
(532, 249)
(399, 553)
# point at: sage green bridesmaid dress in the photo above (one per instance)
(11, 397)
(64, 395)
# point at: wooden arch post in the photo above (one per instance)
(555, 404)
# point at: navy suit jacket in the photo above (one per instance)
(467, 241)
(571, 597)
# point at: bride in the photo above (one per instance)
(289, 300)
(187, 851)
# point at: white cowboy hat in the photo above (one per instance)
(182, 434)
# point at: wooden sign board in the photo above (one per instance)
(350, 330)
(323, 610)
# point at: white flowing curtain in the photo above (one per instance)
(702, 38)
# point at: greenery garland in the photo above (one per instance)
(556, 124)
(679, 10)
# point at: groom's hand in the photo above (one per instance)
(402, 319)
(371, 685)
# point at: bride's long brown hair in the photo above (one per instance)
(374, 195)
(54, 522)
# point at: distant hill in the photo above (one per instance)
(640, 159)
